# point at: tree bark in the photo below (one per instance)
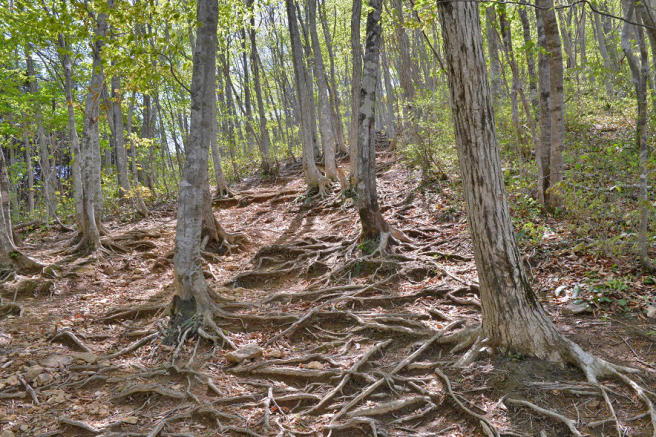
(543, 150)
(356, 82)
(65, 59)
(264, 142)
(325, 109)
(373, 224)
(90, 146)
(50, 200)
(556, 164)
(512, 316)
(493, 53)
(639, 76)
(334, 93)
(603, 51)
(314, 179)
(192, 291)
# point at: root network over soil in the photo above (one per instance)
(323, 334)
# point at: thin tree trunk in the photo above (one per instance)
(356, 81)
(556, 165)
(264, 142)
(543, 150)
(530, 59)
(72, 131)
(334, 93)
(603, 51)
(493, 53)
(314, 179)
(373, 224)
(639, 76)
(191, 290)
(325, 110)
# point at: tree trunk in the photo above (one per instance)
(493, 53)
(325, 110)
(603, 51)
(121, 155)
(543, 150)
(72, 131)
(191, 290)
(356, 82)
(334, 93)
(504, 26)
(47, 172)
(265, 142)
(390, 97)
(405, 66)
(512, 317)
(90, 147)
(373, 224)
(222, 189)
(530, 59)
(314, 179)
(5, 197)
(639, 76)
(556, 164)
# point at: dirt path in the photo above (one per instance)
(348, 344)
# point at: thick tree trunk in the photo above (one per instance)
(314, 179)
(373, 224)
(192, 292)
(356, 82)
(512, 317)
(325, 110)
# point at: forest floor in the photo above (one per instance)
(350, 344)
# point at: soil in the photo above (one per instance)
(82, 352)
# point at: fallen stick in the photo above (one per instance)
(568, 422)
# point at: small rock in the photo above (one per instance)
(651, 312)
(43, 379)
(315, 365)
(277, 353)
(131, 420)
(593, 404)
(24, 427)
(33, 372)
(103, 412)
(231, 267)
(577, 308)
(88, 357)
(55, 361)
(247, 352)
(12, 381)
(104, 363)
(7, 433)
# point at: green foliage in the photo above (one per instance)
(428, 143)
